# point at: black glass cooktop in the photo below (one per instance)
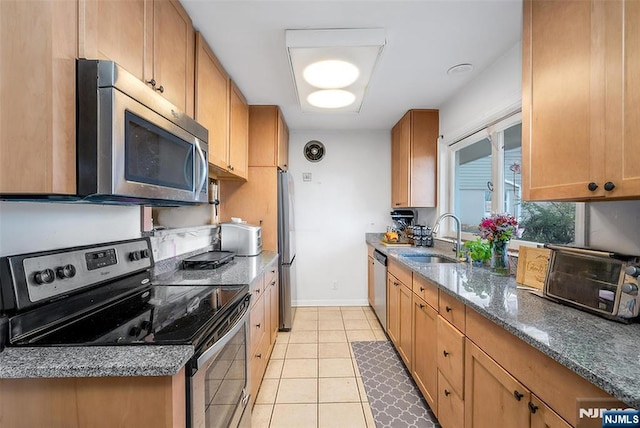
(155, 315)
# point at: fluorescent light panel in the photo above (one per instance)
(360, 47)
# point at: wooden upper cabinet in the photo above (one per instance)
(414, 151)
(268, 137)
(212, 102)
(580, 137)
(117, 30)
(152, 39)
(37, 101)
(173, 50)
(238, 133)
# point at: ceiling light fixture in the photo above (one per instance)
(331, 74)
(335, 63)
(331, 98)
(460, 69)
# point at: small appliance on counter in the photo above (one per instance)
(241, 238)
(601, 282)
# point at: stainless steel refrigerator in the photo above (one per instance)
(286, 248)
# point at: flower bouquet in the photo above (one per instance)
(498, 230)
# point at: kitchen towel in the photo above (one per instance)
(394, 398)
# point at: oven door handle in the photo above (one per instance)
(223, 341)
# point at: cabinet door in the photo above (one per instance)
(370, 286)
(493, 398)
(400, 163)
(393, 309)
(543, 417)
(563, 141)
(424, 369)
(623, 98)
(173, 52)
(405, 333)
(423, 158)
(212, 102)
(38, 48)
(116, 30)
(451, 355)
(283, 143)
(238, 133)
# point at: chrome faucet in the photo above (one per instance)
(458, 245)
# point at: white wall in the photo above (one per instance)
(615, 226)
(495, 91)
(28, 226)
(348, 196)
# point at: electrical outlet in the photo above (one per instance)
(306, 176)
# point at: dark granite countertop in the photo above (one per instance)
(135, 360)
(604, 352)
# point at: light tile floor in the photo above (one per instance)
(312, 379)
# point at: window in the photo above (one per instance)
(487, 178)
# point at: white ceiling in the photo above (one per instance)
(424, 39)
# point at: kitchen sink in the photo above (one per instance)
(426, 258)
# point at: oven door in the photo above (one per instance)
(217, 387)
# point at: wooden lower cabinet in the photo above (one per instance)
(543, 417)
(393, 309)
(450, 352)
(494, 398)
(406, 334)
(145, 401)
(424, 369)
(451, 407)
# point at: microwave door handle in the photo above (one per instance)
(203, 169)
(223, 341)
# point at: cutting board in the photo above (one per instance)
(396, 244)
(532, 266)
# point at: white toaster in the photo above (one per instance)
(243, 239)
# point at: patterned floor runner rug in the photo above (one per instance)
(394, 398)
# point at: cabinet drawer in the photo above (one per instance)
(257, 365)
(450, 405)
(270, 275)
(451, 355)
(257, 324)
(402, 273)
(452, 310)
(426, 290)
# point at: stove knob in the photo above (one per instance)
(135, 331)
(144, 253)
(134, 255)
(67, 271)
(46, 276)
(633, 271)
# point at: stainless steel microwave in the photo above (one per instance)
(134, 146)
(602, 282)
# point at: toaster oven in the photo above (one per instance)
(601, 282)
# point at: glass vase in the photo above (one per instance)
(499, 258)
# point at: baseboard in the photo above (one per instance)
(333, 302)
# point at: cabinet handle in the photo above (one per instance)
(395, 283)
(421, 306)
(592, 186)
(448, 308)
(517, 395)
(609, 186)
(258, 325)
(257, 291)
(273, 283)
(421, 288)
(272, 270)
(397, 204)
(532, 407)
(445, 353)
(258, 355)
(152, 82)
(447, 392)
(160, 89)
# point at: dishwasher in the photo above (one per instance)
(380, 287)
